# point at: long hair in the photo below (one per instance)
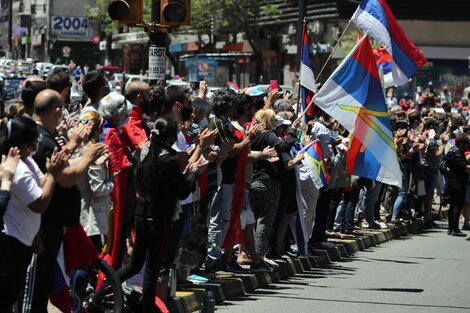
(17, 132)
(147, 173)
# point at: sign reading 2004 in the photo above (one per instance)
(71, 27)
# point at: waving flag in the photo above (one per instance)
(384, 65)
(375, 16)
(313, 162)
(307, 78)
(353, 96)
(361, 162)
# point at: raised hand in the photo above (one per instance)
(272, 97)
(94, 151)
(254, 130)
(55, 164)
(9, 164)
(78, 134)
(296, 123)
(269, 152)
(102, 159)
(202, 89)
(207, 137)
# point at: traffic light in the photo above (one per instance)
(127, 11)
(175, 12)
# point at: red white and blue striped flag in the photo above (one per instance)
(315, 165)
(375, 17)
(307, 77)
(353, 96)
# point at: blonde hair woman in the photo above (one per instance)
(265, 189)
(96, 186)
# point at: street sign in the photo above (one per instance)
(157, 63)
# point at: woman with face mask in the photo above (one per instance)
(31, 192)
(115, 110)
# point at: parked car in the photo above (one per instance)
(116, 79)
(59, 66)
(24, 67)
(132, 77)
(44, 68)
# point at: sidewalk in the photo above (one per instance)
(229, 286)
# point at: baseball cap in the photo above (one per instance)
(280, 121)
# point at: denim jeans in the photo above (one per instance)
(219, 221)
(400, 201)
(347, 209)
(371, 195)
(335, 199)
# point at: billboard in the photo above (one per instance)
(70, 28)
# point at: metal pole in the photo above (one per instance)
(157, 38)
(300, 66)
(10, 28)
(300, 29)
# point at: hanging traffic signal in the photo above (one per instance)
(128, 12)
(175, 12)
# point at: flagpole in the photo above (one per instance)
(300, 67)
(315, 95)
(334, 49)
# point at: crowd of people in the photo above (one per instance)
(163, 177)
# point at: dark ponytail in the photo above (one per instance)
(164, 133)
(17, 132)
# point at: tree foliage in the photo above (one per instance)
(230, 16)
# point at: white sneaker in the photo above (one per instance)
(383, 225)
(365, 224)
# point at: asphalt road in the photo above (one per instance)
(429, 272)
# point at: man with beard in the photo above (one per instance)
(136, 130)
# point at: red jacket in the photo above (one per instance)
(134, 131)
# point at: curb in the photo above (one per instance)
(229, 287)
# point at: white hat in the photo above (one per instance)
(280, 121)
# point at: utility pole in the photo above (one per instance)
(157, 47)
(300, 27)
(10, 28)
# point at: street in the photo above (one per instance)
(428, 272)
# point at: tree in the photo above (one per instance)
(215, 17)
